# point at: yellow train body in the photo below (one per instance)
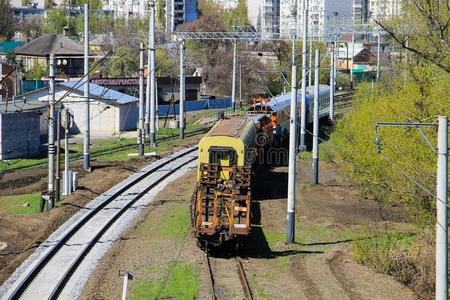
(222, 201)
(237, 134)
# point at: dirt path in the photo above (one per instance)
(318, 266)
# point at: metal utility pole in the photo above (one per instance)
(315, 165)
(182, 89)
(240, 84)
(67, 183)
(442, 211)
(304, 49)
(140, 137)
(332, 74)
(86, 136)
(233, 86)
(310, 62)
(150, 120)
(351, 68)
(378, 56)
(58, 159)
(290, 233)
(51, 134)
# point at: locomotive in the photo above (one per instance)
(221, 202)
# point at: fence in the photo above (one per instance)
(164, 110)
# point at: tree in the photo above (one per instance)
(6, 20)
(423, 29)
(58, 19)
(125, 63)
(161, 12)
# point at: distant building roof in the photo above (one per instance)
(51, 43)
(9, 46)
(101, 92)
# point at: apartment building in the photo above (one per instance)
(179, 12)
(360, 11)
(324, 16)
(264, 15)
(382, 9)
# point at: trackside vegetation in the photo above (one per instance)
(403, 173)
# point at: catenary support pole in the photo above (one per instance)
(58, 159)
(67, 183)
(152, 75)
(303, 94)
(87, 118)
(310, 62)
(290, 232)
(351, 64)
(315, 177)
(182, 90)
(51, 134)
(378, 55)
(233, 86)
(140, 136)
(332, 75)
(442, 212)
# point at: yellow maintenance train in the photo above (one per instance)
(221, 203)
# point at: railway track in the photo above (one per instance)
(61, 258)
(222, 276)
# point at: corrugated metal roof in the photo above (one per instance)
(101, 92)
(6, 47)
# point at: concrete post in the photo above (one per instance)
(303, 103)
(182, 90)
(51, 133)
(58, 159)
(233, 86)
(152, 75)
(442, 211)
(86, 135)
(315, 177)
(290, 232)
(310, 62)
(332, 75)
(378, 56)
(140, 137)
(67, 183)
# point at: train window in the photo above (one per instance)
(224, 156)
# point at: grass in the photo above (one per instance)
(179, 281)
(176, 224)
(262, 294)
(381, 251)
(16, 204)
(317, 233)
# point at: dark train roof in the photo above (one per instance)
(229, 127)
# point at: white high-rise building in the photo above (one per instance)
(382, 9)
(325, 17)
(264, 15)
(126, 8)
(227, 4)
(360, 11)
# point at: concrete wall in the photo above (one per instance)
(19, 135)
(129, 116)
(104, 117)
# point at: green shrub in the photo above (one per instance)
(419, 97)
(386, 252)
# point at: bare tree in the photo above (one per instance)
(423, 29)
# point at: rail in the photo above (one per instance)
(27, 284)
